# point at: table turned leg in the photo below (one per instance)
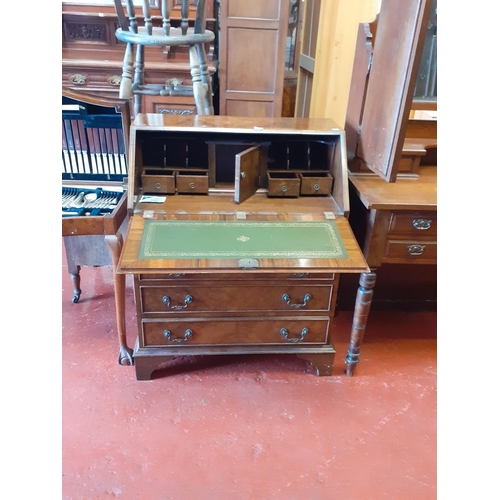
(115, 243)
(75, 279)
(361, 311)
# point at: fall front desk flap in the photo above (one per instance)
(206, 244)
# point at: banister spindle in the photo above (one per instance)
(148, 24)
(131, 16)
(166, 17)
(184, 16)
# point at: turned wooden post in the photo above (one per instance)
(361, 311)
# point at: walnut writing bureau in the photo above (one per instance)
(238, 238)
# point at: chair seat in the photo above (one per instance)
(158, 37)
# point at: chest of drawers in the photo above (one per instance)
(238, 270)
(401, 218)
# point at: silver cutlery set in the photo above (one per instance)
(77, 201)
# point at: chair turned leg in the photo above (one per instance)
(205, 78)
(127, 73)
(138, 78)
(361, 310)
(199, 90)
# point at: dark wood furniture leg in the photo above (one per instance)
(115, 244)
(75, 279)
(361, 310)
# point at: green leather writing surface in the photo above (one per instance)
(240, 239)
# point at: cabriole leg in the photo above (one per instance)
(115, 243)
(361, 311)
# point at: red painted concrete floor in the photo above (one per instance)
(248, 427)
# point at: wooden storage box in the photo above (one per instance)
(158, 180)
(283, 184)
(192, 181)
(316, 183)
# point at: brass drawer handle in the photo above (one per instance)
(115, 80)
(303, 333)
(187, 301)
(416, 249)
(286, 298)
(78, 79)
(421, 224)
(176, 275)
(283, 188)
(191, 185)
(187, 334)
(299, 275)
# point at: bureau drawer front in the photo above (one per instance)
(421, 224)
(411, 252)
(235, 331)
(236, 276)
(227, 298)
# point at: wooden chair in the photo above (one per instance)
(138, 37)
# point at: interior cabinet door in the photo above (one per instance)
(246, 178)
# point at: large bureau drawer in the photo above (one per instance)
(196, 298)
(261, 275)
(303, 330)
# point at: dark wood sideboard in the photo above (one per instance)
(92, 58)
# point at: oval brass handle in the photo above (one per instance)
(416, 249)
(168, 335)
(187, 301)
(157, 185)
(421, 224)
(316, 187)
(303, 333)
(283, 188)
(286, 298)
(191, 185)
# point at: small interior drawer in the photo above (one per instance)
(315, 183)
(192, 181)
(283, 184)
(156, 180)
